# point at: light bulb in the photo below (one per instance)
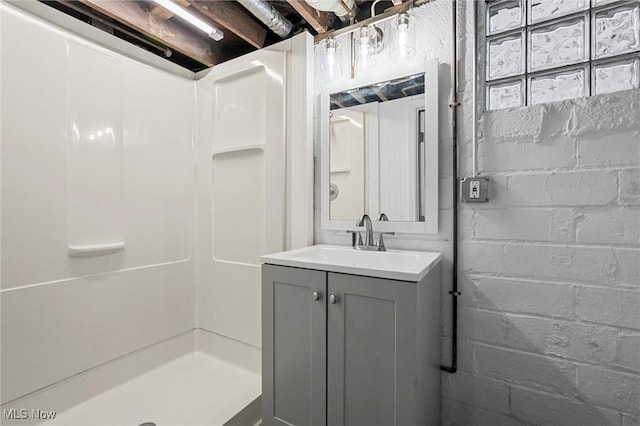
(402, 21)
(331, 45)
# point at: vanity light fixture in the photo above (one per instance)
(368, 40)
(211, 31)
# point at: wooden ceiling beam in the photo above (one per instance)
(136, 15)
(160, 12)
(231, 16)
(318, 20)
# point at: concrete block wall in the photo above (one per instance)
(549, 320)
(550, 268)
(550, 312)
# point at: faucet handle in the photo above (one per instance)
(383, 218)
(380, 245)
(356, 238)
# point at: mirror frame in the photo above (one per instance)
(430, 188)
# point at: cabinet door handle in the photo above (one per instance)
(333, 299)
(316, 296)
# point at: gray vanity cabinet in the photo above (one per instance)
(361, 351)
(294, 354)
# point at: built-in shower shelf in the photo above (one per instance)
(95, 249)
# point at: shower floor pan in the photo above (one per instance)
(195, 389)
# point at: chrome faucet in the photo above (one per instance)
(365, 221)
(368, 244)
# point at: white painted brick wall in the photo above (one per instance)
(628, 267)
(564, 339)
(456, 413)
(523, 296)
(628, 351)
(546, 224)
(488, 394)
(609, 226)
(522, 368)
(608, 306)
(482, 326)
(609, 388)
(619, 149)
(630, 187)
(556, 189)
(581, 188)
(630, 419)
(560, 261)
(549, 319)
(527, 154)
(540, 408)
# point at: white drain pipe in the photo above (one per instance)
(269, 16)
(336, 6)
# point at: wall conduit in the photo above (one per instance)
(454, 141)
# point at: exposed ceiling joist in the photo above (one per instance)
(318, 20)
(155, 28)
(165, 14)
(160, 12)
(234, 18)
(136, 15)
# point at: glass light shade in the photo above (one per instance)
(332, 65)
(368, 42)
(403, 44)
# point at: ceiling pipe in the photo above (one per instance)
(104, 24)
(343, 9)
(269, 16)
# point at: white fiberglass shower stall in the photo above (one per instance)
(136, 201)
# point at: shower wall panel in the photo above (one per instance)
(95, 188)
(96, 148)
(254, 179)
(242, 213)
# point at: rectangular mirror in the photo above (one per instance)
(379, 152)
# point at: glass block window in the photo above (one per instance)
(541, 51)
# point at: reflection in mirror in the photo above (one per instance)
(379, 92)
(348, 169)
(376, 151)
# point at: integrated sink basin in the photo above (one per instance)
(401, 265)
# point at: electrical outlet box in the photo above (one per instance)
(474, 190)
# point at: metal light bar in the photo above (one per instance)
(211, 31)
(392, 11)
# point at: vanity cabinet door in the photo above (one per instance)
(371, 357)
(293, 346)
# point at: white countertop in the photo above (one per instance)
(404, 265)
